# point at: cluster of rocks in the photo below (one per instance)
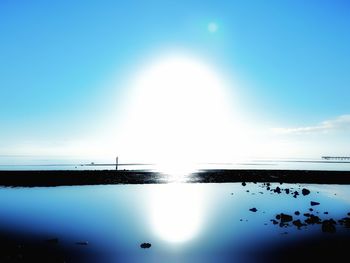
(327, 225)
(310, 218)
(280, 190)
(288, 191)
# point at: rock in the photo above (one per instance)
(287, 191)
(305, 191)
(284, 218)
(313, 220)
(274, 221)
(326, 213)
(277, 190)
(310, 209)
(298, 223)
(244, 184)
(314, 203)
(253, 209)
(295, 194)
(345, 221)
(145, 245)
(297, 213)
(328, 226)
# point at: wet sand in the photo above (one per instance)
(99, 177)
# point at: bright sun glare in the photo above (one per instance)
(178, 115)
(177, 211)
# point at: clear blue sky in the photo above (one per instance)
(55, 57)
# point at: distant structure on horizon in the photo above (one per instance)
(336, 157)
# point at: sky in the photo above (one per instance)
(68, 71)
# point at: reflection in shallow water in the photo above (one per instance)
(177, 211)
(182, 222)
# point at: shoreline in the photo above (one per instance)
(43, 178)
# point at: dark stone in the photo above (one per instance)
(313, 220)
(253, 209)
(244, 184)
(287, 191)
(298, 223)
(305, 191)
(145, 245)
(345, 221)
(326, 213)
(274, 221)
(328, 226)
(284, 218)
(277, 190)
(314, 203)
(297, 213)
(310, 209)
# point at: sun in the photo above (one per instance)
(178, 114)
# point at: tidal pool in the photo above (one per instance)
(182, 222)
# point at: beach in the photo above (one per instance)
(98, 177)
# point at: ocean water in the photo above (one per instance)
(70, 163)
(182, 222)
(228, 222)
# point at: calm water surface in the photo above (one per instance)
(183, 222)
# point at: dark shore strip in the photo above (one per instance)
(99, 177)
(279, 176)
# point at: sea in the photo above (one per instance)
(175, 222)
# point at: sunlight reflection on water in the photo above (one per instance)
(183, 222)
(177, 211)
